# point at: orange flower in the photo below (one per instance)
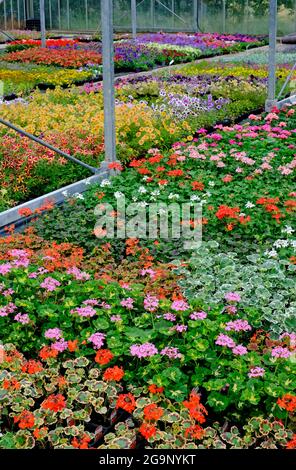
(196, 409)
(25, 212)
(154, 389)
(288, 402)
(13, 384)
(292, 444)
(32, 367)
(175, 173)
(82, 442)
(25, 420)
(73, 345)
(40, 433)
(153, 412)
(113, 373)
(54, 403)
(195, 432)
(126, 401)
(62, 382)
(197, 186)
(47, 352)
(115, 166)
(147, 430)
(104, 356)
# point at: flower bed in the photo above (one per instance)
(149, 112)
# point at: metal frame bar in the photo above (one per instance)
(42, 23)
(271, 100)
(5, 13)
(47, 145)
(134, 18)
(11, 14)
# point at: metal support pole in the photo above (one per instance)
(173, 16)
(108, 81)
(271, 101)
(134, 18)
(11, 14)
(18, 14)
(59, 14)
(68, 15)
(195, 15)
(223, 16)
(42, 23)
(152, 13)
(5, 13)
(50, 14)
(86, 14)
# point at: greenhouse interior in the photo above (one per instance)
(147, 231)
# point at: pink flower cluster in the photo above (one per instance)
(151, 303)
(87, 311)
(256, 372)
(78, 274)
(53, 333)
(21, 258)
(143, 350)
(198, 315)
(180, 305)
(232, 297)
(127, 303)
(22, 318)
(7, 309)
(172, 353)
(224, 340)
(97, 339)
(50, 284)
(60, 345)
(5, 268)
(280, 352)
(238, 325)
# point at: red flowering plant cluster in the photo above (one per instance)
(72, 58)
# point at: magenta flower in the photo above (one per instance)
(92, 302)
(256, 372)
(85, 311)
(179, 306)
(7, 309)
(280, 352)
(127, 303)
(105, 306)
(238, 325)
(24, 318)
(224, 340)
(115, 318)
(151, 303)
(143, 350)
(232, 297)
(198, 315)
(60, 345)
(50, 284)
(8, 292)
(172, 353)
(53, 333)
(169, 316)
(78, 274)
(240, 350)
(180, 328)
(5, 268)
(97, 339)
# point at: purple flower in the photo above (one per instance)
(127, 303)
(169, 317)
(143, 350)
(85, 311)
(151, 303)
(224, 340)
(22, 318)
(60, 345)
(78, 274)
(97, 339)
(8, 292)
(53, 333)
(232, 297)
(180, 328)
(7, 309)
(115, 318)
(5, 268)
(280, 352)
(291, 336)
(91, 302)
(198, 315)
(179, 306)
(50, 284)
(239, 350)
(105, 306)
(256, 372)
(172, 353)
(238, 325)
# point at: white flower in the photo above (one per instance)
(242, 214)
(142, 190)
(105, 183)
(212, 183)
(78, 196)
(65, 193)
(142, 204)
(135, 199)
(271, 254)
(118, 195)
(208, 194)
(281, 243)
(195, 198)
(287, 229)
(249, 205)
(173, 196)
(293, 243)
(87, 182)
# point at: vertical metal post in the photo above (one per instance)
(18, 14)
(68, 16)
(195, 16)
(59, 14)
(173, 16)
(271, 101)
(11, 14)
(108, 81)
(134, 18)
(50, 14)
(86, 14)
(25, 15)
(152, 13)
(5, 13)
(42, 23)
(223, 16)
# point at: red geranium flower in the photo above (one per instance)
(25, 420)
(154, 389)
(54, 403)
(126, 401)
(153, 412)
(113, 373)
(104, 356)
(147, 430)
